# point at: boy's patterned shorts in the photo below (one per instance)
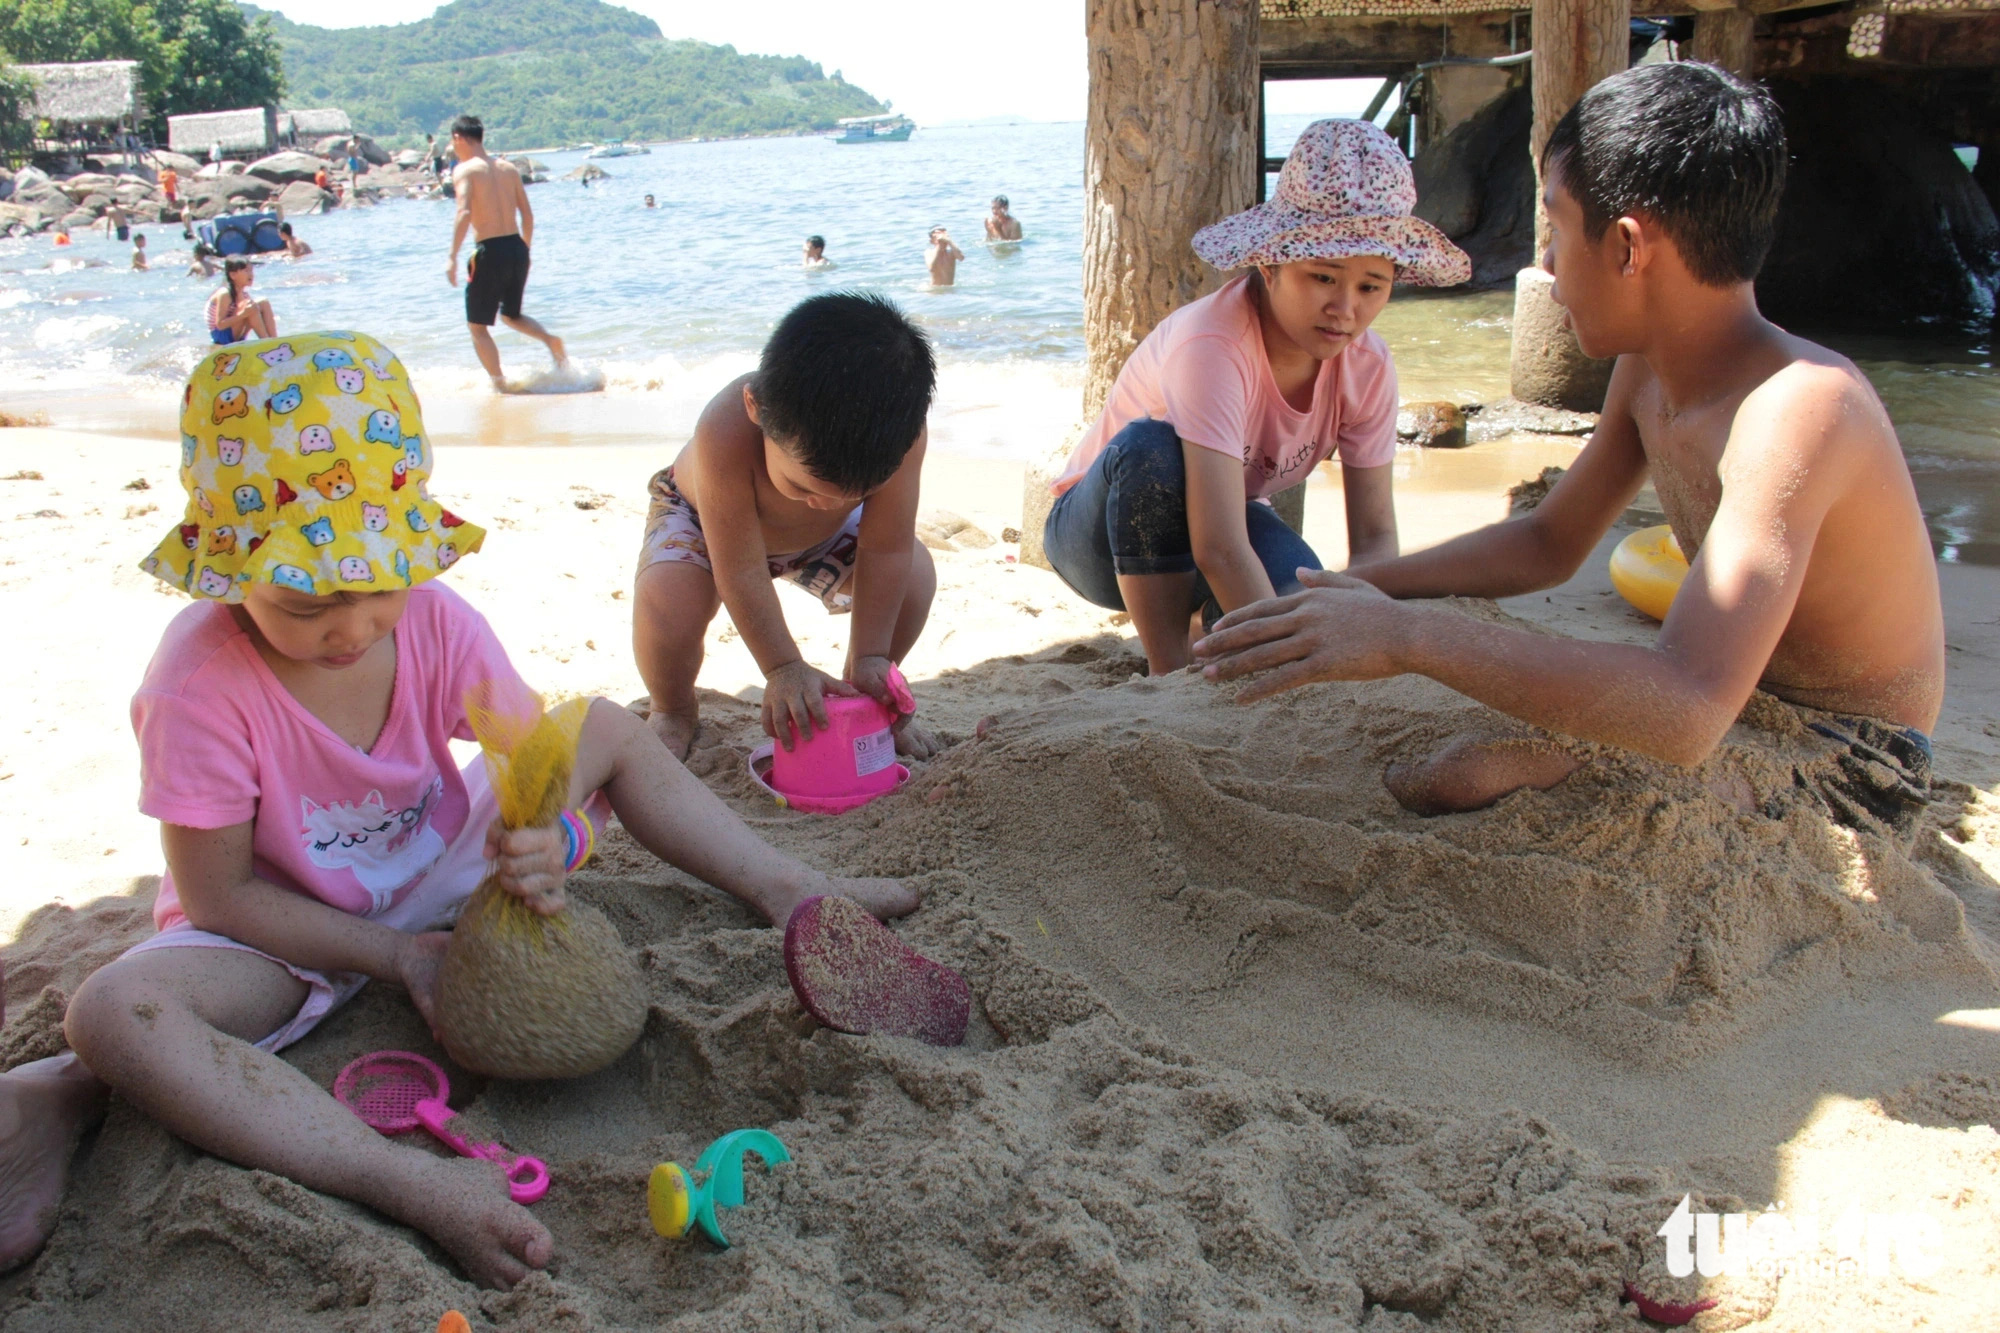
(673, 533)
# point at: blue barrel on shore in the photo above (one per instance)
(242, 234)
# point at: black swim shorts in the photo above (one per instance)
(1882, 775)
(499, 277)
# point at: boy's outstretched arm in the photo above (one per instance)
(1549, 543)
(882, 574)
(1673, 700)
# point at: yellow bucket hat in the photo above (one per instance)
(305, 465)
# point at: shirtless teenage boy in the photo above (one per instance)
(1002, 225)
(1812, 572)
(490, 198)
(942, 258)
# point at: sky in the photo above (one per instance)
(937, 63)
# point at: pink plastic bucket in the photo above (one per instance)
(848, 764)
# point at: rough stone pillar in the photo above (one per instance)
(1577, 43)
(1170, 145)
(1723, 37)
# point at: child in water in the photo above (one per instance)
(294, 730)
(805, 471)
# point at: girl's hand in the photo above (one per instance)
(530, 864)
(417, 962)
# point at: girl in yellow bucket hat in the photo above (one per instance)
(294, 733)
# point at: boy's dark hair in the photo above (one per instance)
(816, 241)
(1001, 200)
(284, 229)
(469, 127)
(1691, 146)
(844, 385)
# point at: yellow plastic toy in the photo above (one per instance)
(1647, 569)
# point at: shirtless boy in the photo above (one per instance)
(1812, 575)
(942, 258)
(491, 198)
(1002, 225)
(806, 470)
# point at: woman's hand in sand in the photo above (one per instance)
(417, 962)
(795, 696)
(1339, 628)
(530, 863)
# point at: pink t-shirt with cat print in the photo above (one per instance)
(1204, 371)
(221, 741)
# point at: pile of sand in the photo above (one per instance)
(1253, 1048)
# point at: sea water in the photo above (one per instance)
(673, 301)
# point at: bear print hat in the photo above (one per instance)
(305, 464)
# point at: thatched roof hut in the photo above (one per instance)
(314, 124)
(251, 131)
(99, 92)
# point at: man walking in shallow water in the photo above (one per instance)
(493, 205)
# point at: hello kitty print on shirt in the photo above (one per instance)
(383, 849)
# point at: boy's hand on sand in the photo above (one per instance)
(530, 863)
(1339, 628)
(795, 696)
(417, 964)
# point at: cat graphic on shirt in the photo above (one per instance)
(385, 849)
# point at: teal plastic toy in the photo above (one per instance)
(677, 1203)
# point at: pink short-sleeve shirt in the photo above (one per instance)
(221, 741)
(1205, 372)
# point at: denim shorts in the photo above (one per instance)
(1128, 515)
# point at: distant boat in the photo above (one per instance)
(891, 128)
(621, 150)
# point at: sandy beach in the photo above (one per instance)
(1253, 1047)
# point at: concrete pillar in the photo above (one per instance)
(1724, 37)
(1577, 43)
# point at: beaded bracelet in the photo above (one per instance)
(579, 838)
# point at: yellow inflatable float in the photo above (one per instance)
(1647, 569)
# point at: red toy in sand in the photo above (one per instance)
(853, 975)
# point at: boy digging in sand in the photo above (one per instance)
(1812, 574)
(806, 470)
(294, 730)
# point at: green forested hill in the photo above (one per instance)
(544, 72)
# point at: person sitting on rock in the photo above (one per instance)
(1812, 574)
(1163, 510)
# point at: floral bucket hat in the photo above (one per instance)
(1345, 190)
(305, 464)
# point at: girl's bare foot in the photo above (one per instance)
(676, 730)
(1470, 774)
(463, 1205)
(885, 899)
(45, 1106)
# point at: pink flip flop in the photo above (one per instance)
(853, 975)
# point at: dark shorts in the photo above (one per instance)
(1128, 515)
(499, 277)
(224, 337)
(124, 233)
(1881, 778)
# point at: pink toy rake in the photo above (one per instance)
(395, 1091)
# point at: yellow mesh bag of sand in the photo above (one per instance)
(520, 994)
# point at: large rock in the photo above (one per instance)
(1477, 186)
(338, 146)
(25, 216)
(1547, 367)
(284, 168)
(85, 184)
(183, 164)
(226, 194)
(1881, 220)
(302, 199)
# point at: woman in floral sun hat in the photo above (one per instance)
(1163, 510)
